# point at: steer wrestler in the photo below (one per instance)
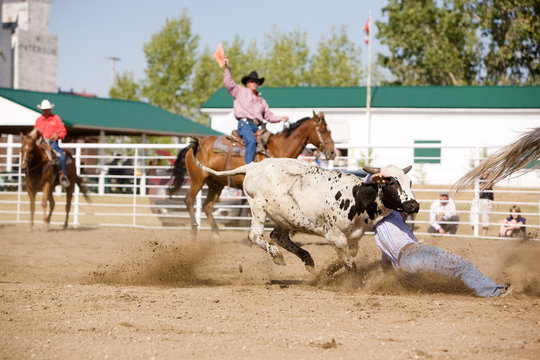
(411, 259)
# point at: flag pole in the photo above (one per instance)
(368, 88)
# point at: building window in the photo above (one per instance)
(533, 165)
(431, 155)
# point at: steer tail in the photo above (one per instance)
(239, 170)
(523, 153)
(178, 171)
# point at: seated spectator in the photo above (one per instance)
(443, 216)
(514, 225)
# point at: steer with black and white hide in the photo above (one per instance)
(300, 197)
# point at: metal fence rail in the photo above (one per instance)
(128, 187)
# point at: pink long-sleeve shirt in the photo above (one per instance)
(246, 103)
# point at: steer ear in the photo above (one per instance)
(372, 170)
(407, 169)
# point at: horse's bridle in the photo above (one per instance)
(322, 144)
(29, 157)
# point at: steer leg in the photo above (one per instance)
(281, 237)
(341, 245)
(256, 233)
(339, 263)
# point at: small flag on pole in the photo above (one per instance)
(366, 30)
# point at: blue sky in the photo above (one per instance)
(89, 32)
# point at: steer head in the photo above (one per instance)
(395, 185)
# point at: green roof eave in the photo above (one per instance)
(473, 97)
(110, 114)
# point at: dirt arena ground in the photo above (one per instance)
(124, 293)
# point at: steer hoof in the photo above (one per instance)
(311, 269)
(279, 259)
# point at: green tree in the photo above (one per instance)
(125, 87)
(171, 57)
(286, 62)
(511, 33)
(337, 62)
(431, 42)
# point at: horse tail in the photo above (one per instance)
(82, 187)
(178, 172)
(239, 170)
(523, 153)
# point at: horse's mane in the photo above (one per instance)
(520, 154)
(294, 126)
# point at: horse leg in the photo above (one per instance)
(214, 190)
(194, 188)
(32, 198)
(47, 193)
(69, 196)
(281, 237)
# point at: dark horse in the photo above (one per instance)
(288, 143)
(42, 175)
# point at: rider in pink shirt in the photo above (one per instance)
(250, 109)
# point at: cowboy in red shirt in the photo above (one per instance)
(53, 129)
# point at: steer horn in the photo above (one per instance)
(372, 170)
(407, 169)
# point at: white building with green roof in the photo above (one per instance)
(402, 117)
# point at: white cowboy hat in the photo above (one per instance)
(45, 105)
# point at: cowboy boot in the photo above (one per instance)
(64, 181)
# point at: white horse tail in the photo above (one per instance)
(518, 155)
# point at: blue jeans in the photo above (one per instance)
(60, 154)
(247, 129)
(421, 259)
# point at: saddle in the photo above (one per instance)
(233, 145)
(53, 155)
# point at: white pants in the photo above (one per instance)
(482, 208)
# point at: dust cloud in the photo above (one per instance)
(158, 264)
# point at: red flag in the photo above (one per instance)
(366, 30)
(219, 54)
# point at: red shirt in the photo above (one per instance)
(49, 126)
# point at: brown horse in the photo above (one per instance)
(42, 175)
(288, 143)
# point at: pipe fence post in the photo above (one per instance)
(76, 198)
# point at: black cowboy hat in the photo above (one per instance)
(252, 76)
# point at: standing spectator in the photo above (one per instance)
(443, 217)
(514, 224)
(482, 205)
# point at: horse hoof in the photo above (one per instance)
(311, 269)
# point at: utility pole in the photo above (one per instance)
(113, 72)
(368, 88)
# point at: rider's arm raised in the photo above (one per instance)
(229, 83)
